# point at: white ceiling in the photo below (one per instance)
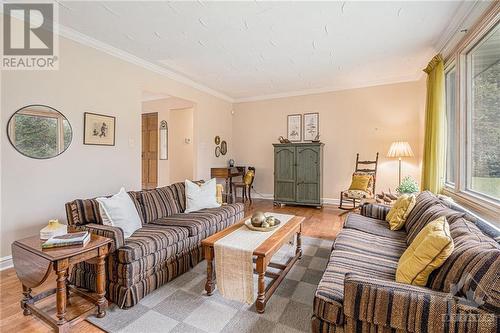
(249, 49)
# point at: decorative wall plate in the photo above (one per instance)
(217, 140)
(217, 151)
(223, 147)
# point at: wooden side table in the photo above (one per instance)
(34, 264)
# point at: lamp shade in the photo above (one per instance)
(400, 149)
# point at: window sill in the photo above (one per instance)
(486, 209)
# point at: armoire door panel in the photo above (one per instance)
(284, 177)
(308, 159)
(307, 165)
(308, 192)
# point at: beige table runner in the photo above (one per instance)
(233, 260)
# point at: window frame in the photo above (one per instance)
(458, 57)
(449, 66)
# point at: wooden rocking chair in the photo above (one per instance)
(355, 196)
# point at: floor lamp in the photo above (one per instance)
(400, 149)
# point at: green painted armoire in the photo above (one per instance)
(298, 173)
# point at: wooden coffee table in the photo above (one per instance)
(262, 258)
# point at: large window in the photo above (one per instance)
(483, 63)
(451, 121)
(483, 126)
(472, 86)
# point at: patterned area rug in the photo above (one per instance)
(182, 305)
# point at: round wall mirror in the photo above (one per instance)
(39, 131)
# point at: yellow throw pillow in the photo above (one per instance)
(400, 210)
(218, 194)
(428, 251)
(247, 179)
(360, 182)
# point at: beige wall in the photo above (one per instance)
(88, 80)
(362, 120)
(163, 107)
(181, 152)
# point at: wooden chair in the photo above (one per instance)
(355, 196)
(245, 185)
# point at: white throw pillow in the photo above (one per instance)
(119, 211)
(201, 196)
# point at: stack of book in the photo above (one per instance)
(73, 239)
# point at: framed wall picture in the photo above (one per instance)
(163, 140)
(99, 129)
(294, 127)
(311, 126)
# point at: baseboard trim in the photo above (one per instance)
(331, 201)
(270, 196)
(6, 263)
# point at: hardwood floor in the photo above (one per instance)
(321, 223)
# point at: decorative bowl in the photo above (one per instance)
(258, 218)
(249, 225)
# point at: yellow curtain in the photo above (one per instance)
(433, 165)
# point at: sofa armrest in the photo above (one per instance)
(411, 308)
(115, 233)
(374, 211)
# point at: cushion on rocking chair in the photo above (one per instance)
(357, 194)
(360, 182)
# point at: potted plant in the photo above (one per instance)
(408, 186)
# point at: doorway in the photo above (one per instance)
(181, 145)
(177, 163)
(149, 150)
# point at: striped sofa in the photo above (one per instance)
(358, 292)
(167, 245)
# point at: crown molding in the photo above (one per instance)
(458, 19)
(123, 55)
(362, 84)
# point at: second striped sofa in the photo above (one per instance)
(167, 245)
(358, 292)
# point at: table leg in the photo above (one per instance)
(299, 246)
(68, 300)
(231, 190)
(101, 286)
(227, 190)
(27, 297)
(210, 284)
(61, 294)
(260, 305)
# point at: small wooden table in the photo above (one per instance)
(34, 264)
(228, 173)
(263, 255)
